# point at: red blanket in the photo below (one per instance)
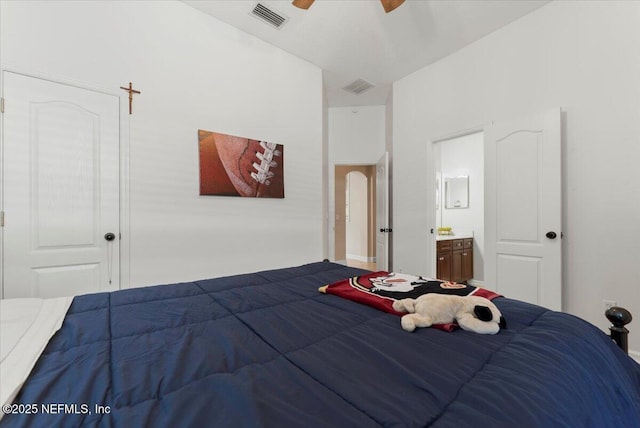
(381, 289)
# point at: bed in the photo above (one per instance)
(267, 349)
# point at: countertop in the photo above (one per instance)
(449, 237)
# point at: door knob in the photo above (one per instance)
(551, 235)
(109, 236)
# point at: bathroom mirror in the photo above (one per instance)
(456, 192)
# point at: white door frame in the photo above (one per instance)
(125, 118)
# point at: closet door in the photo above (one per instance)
(60, 189)
(523, 251)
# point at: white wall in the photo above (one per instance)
(464, 156)
(356, 137)
(583, 56)
(356, 134)
(325, 176)
(194, 73)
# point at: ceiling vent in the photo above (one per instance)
(270, 16)
(358, 86)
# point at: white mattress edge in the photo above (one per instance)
(16, 366)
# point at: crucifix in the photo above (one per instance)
(131, 92)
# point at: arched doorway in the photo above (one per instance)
(355, 215)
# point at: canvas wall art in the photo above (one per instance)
(237, 166)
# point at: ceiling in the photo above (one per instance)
(351, 39)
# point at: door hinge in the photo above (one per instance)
(1, 218)
(2, 105)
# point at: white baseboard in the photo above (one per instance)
(635, 355)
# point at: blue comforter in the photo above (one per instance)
(268, 350)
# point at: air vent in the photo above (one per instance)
(270, 16)
(358, 86)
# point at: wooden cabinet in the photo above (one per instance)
(455, 259)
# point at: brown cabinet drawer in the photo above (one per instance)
(458, 244)
(444, 245)
(468, 243)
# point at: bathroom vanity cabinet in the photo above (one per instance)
(455, 259)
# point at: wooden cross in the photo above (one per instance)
(131, 92)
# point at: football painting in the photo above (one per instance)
(237, 166)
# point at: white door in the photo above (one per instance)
(61, 189)
(523, 254)
(382, 213)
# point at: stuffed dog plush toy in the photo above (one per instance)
(472, 313)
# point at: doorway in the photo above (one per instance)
(459, 166)
(355, 215)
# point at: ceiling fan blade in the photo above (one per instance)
(304, 4)
(390, 5)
